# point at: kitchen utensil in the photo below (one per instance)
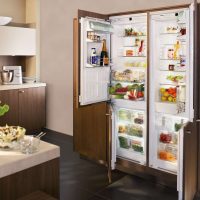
(7, 76)
(5, 20)
(29, 79)
(40, 135)
(17, 75)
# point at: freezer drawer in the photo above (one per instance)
(129, 130)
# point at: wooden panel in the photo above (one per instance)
(44, 177)
(10, 97)
(90, 131)
(150, 10)
(190, 162)
(83, 13)
(75, 63)
(148, 173)
(32, 108)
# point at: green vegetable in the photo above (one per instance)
(123, 142)
(119, 96)
(118, 85)
(137, 148)
(177, 127)
(112, 90)
(4, 109)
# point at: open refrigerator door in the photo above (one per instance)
(94, 76)
(128, 90)
(171, 89)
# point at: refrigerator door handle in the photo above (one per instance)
(188, 132)
(198, 120)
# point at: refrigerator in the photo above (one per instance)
(148, 83)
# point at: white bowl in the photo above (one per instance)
(5, 20)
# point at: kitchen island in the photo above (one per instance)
(22, 174)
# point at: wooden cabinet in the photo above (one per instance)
(17, 41)
(27, 108)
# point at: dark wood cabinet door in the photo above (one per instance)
(10, 97)
(32, 109)
(90, 134)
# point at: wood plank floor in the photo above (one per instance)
(83, 180)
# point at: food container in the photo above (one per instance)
(168, 94)
(124, 142)
(29, 144)
(137, 146)
(135, 130)
(165, 137)
(167, 152)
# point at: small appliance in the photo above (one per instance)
(11, 71)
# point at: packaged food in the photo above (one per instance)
(129, 52)
(124, 115)
(123, 142)
(168, 152)
(135, 130)
(137, 146)
(170, 53)
(165, 137)
(122, 129)
(139, 119)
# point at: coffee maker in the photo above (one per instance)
(15, 72)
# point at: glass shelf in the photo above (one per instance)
(128, 82)
(133, 56)
(172, 59)
(169, 33)
(93, 41)
(133, 36)
(177, 71)
(94, 66)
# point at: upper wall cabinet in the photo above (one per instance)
(17, 41)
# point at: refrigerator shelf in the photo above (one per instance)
(177, 71)
(170, 33)
(94, 66)
(127, 82)
(138, 105)
(170, 59)
(140, 139)
(132, 56)
(170, 44)
(173, 84)
(133, 36)
(93, 41)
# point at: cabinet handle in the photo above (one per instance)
(21, 91)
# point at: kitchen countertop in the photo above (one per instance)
(22, 86)
(15, 161)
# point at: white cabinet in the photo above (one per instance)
(17, 41)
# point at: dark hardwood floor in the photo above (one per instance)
(83, 180)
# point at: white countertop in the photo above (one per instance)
(15, 161)
(22, 86)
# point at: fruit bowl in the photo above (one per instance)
(10, 136)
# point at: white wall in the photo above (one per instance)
(14, 9)
(57, 49)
